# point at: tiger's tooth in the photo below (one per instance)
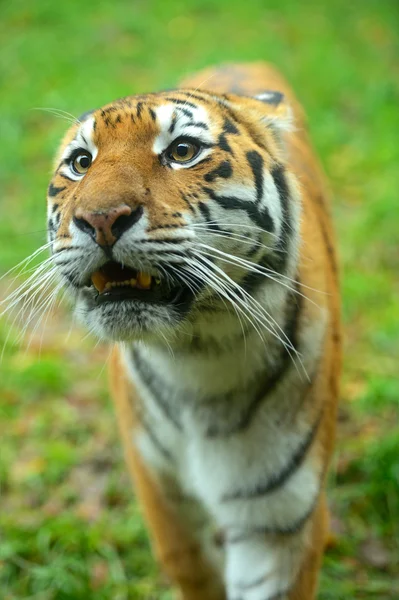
(108, 285)
(99, 281)
(133, 282)
(144, 280)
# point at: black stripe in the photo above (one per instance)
(54, 191)
(151, 434)
(198, 95)
(292, 529)
(224, 145)
(66, 176)
(182, 102)
(55, 207)
(63, 263)
(258, 582)
(188, 203)
(173, 123)
(206, 214)
(276, 262)
(199, 124)
(153, 114)
(265, 385)
(139, 108)
(256, 163)
(260, 217)
(110, 109)
(279, 595)
(224, 170)
(187, 113)
(165, 226)
(156, 385)
(68, 248)
(255, 248)
(71, 280)
(278, 480)
(173, 240)
(228, 128)
(280, 182)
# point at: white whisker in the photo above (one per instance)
(255, 268)
(256, 310)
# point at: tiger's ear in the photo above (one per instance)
(85, 115)
(270, 97)
(276, 112)
(269, 108)
(266, 112)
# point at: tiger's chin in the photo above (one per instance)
(127, 319)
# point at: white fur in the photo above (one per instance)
(83, 140)
(184, 127)
(210, 468)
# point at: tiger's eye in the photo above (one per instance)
(81, 163)
(182, 151)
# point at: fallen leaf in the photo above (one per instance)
(375, 554)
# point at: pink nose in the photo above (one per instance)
(107, 226)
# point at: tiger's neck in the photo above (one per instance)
(223, 357)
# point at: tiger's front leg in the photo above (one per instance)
(177, 548)
(277, 567)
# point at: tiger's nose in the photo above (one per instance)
(107, 226)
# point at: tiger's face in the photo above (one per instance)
(168, 205)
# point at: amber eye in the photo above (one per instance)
(81, 163)
(182, 151)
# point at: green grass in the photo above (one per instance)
(69, 527)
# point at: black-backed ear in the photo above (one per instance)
(85, 115)
(270, 97)
(276, 112)
(268, 111)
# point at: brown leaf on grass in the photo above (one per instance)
(337, 530)
(343, 462)
(375, 554)
(53, 507)
(91, 486)
(99, 574)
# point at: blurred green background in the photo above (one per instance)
(69, 528)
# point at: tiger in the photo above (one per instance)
(191, 230)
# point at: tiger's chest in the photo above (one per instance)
(210, 440)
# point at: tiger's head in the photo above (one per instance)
(165, 206)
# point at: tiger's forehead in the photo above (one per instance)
(162, 115)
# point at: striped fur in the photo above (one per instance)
(226, 401)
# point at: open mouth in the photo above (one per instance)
(115, 282)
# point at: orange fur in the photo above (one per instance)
(179, 554)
